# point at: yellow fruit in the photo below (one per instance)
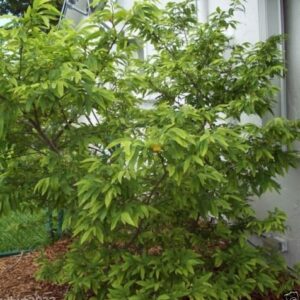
(156, 147)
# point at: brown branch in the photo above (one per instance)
(159, 181)
(140, 227)
(67, 126)
(37, 126)
(21, 59)
(63, 113)
(95, 116)
(89, 120)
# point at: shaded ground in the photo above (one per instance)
(17, 276)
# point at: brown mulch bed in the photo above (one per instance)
(17, 279)
(17, 276)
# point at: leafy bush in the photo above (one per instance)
(158, 200)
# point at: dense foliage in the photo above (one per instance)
(158, 200)
(18, 7)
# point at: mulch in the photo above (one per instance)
(17, 281)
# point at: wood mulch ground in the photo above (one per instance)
(17, 280)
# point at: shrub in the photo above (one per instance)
(158, 200)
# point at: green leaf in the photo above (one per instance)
(46, 21)
(186, 165)
(1, 126)
(171, 169)
(118, 142)
(108, 197)
(42, 185)
(126, 218)
(86, 236)
(89, 73)
(203, 148)
(163, 297)
(60, 88)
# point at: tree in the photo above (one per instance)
(17, 7)
(158, 201)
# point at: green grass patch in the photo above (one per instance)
(22, 231)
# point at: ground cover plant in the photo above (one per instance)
(158, 201)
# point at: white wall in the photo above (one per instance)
(289, 201)
(261, 19)
(248, 29)
(289, 198)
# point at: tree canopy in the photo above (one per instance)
(158, 201)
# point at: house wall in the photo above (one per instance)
(261, 19)
(289, 198)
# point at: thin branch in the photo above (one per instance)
(10, 267)
(37, 126)
(96, 150)
(89, 119)
(63, 113)
(159, 181)
(95, 116)
(67, 126)
(21, 59)
(140, 227)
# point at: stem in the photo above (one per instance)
(140, 227)
(63, 114)
(37, 126)
(67, 126)
(21, 59)
(95, 116)
(60, 219)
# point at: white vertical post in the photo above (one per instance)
(76, 10)
(292, 27)
(271, 22)
(202, 10)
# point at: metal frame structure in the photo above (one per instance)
(72, 5)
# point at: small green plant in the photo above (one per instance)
(158, 201)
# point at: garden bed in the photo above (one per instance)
(17, 279)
